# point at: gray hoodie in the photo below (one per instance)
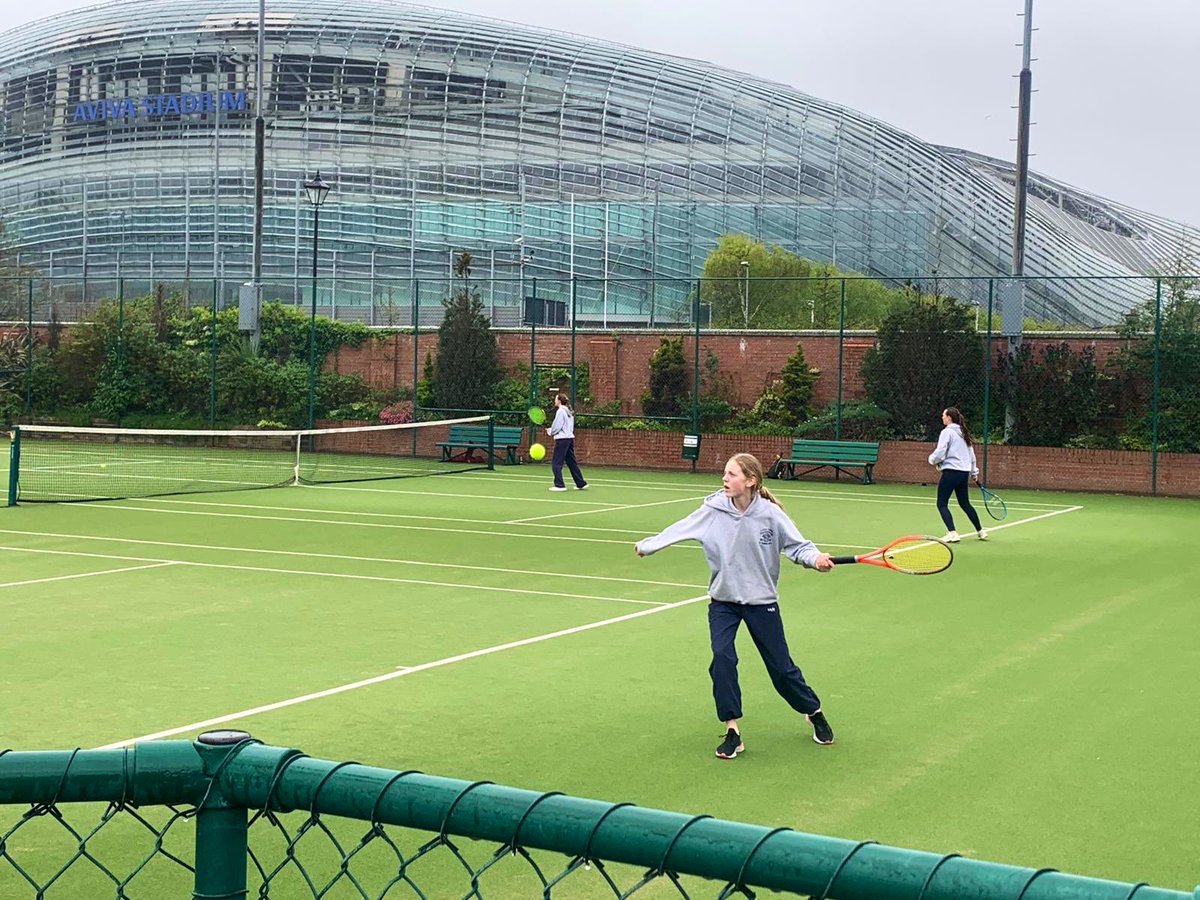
(742, 548)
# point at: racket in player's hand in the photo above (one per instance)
(913, 554)
(992, 503)
(537, 415)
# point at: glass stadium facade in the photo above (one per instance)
(127, 146)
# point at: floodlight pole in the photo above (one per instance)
(745, 267)
(317, 190)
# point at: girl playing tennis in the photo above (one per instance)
(955, 456)
(743, 531)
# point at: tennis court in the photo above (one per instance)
(1033, 705)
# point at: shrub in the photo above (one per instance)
(668, 379)
(862, 420)
(795, 387)
(400, 413)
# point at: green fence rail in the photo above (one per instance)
(229, 817)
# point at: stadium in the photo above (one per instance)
(128, 150)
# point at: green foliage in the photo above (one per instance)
(467, 368)
(1178, 370)
(927, 356)
(784, 290)
(425, 385)
(795, 387)
(668, 379)
(1053, 397)
(862, 420)
(715, 404)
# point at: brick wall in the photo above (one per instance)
(1050, 468)
(620, 363)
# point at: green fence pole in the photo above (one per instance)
(1154, 395)
(533, 379)
(837, 424)
(212, 362)
(491, 442)
(416, 343)
(696, 367)
(987, 380)
(221, 825)
(14, 464)
(29, 351)
(574, 282)
(120, 338)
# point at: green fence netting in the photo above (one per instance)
(228, 817)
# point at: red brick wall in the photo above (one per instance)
(620, 363)
(1050, 468)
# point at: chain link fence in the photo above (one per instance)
(836, 358)
(228, 817)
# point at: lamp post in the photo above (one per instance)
(317, 190)
(745, 265)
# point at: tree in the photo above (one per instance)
(467, 368)
(1054, 398)
(668, 379)
(796, 386)
(927, 356)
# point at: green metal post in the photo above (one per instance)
(14, 464)
(29, 351)
(696, 367)
(987, 381)
(492, 442)
(221, 825)
(312, 323)
(120, 336)
(416, 327)
(1154, 395)
(837, 424)
(574, 282)
(212, 353)
(533, 379)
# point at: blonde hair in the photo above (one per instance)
(752, 468)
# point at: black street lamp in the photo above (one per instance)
(317, 190)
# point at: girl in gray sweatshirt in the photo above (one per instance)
(744, 531)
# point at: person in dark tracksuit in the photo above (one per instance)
(955, 458)
(743, 531)
(562, 429)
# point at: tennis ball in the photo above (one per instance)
(537, 452)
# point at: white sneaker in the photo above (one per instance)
(983, 535)
(556, 488)
(951, 537)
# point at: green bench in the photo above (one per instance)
(464, 441)
(838, 454)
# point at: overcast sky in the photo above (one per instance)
(1117, 81)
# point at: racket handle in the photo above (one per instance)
(843, 560)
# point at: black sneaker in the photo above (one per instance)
(822, 733)
(731, 746)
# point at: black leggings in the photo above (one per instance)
(954, 481)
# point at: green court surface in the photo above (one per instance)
(1035, 704)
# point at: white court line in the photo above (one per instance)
(343, 557)
(388, 676)
(156, 565)
(114, 505)
(350, 577)
(586, 512)
(1057, 512)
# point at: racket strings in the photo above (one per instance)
(995, 507)
(918, 556)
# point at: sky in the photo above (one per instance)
(1117, 82)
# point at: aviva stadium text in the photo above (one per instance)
(155, 106)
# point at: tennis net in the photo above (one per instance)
(59, 464)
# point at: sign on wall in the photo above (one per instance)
(158, 106)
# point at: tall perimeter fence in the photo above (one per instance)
(1089, 364)
(229, 817)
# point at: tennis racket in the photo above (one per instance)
(992, 503)
(913, 554)
(537, 415)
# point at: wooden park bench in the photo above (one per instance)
(464, 441)
(838, 454)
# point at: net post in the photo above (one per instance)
(222, 825)
(14, 463)
(296, 467)
(491, 443)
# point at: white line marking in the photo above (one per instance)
(156, 565)
(1057, 512)
(385, 578)
(412, 670)
(585, 512)
(344, 557)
